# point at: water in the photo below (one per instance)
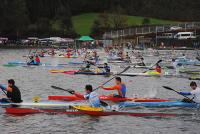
(37, 81)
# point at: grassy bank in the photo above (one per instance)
(84, 22)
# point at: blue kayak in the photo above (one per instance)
(187, 61)
(76, 63)
(160, 104)
(22, 63)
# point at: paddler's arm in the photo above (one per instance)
(3, 87)
(79, 95)
(185, 93)
(116, 87)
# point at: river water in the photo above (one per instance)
(37, 81)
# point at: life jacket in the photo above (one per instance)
(14, 94)
(122, 91)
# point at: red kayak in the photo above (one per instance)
(25, 111)
(108, 98)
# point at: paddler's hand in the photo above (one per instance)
(71, 91)
(3, 87)
(102, 86)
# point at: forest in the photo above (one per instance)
(44, 18)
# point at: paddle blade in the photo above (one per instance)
(167, 88)
(159, 61)
(125, 69)
(68, 90)
(103, 103)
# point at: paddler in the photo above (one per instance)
(90, 95)
(141, 62)
(158, 68)
(37, 60)
(106, 68)
(195, 93)
(13, 93)
(119, 86)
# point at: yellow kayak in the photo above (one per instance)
(152, 73)
(56, 71)
(88, 108)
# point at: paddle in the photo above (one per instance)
(156, 63)
(153, 65)
(72, 92)
(28, 56)
(169, 88)
(3, 88)
(59, 88)
(113, 77)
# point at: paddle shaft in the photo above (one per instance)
(70, 91)
(182, 95)
(112, 78)
(178, 93)
(28, 55)
(4, 92)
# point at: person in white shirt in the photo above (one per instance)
(195, 92)
(90, 95)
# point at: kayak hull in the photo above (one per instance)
(25, 111)
(108, 98)
(91, 73)
(160, 104)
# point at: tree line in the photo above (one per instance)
(44, 18)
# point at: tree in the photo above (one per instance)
(146, 21)
(118, 18)
(14, 19)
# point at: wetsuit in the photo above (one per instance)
(120, 88)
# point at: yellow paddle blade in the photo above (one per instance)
(57, 71)
(88, 108)
(36, 99)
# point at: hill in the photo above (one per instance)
(83, 23)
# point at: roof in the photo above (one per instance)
(86, 38)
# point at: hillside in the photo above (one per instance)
(83, 23)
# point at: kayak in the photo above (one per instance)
(194, 78)
(56, 71)
(76, 63)
(149, 73)
(117, 61)
(65, 56)
(91, 73)
(24, 64)
(107, 98)
(160, 104)
(187, 61)
(42, 104)
(152, 75)
(25, 111)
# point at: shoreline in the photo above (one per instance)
(48, 47)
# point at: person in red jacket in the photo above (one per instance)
(37, 60)
(158, 68)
